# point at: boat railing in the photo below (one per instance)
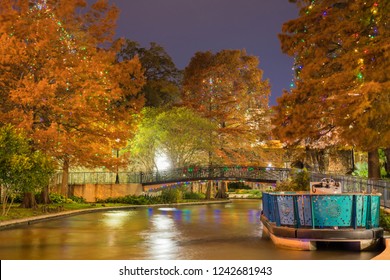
(354, 184)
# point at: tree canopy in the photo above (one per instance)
(227, 88)
(163, 79)
(178, 133)
(341, 93)
(183, 136)
(72, 97)
(340, 60)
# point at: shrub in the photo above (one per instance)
(168, 195)
(171, 195)
(77, 199)
(59, 199)
(384, 220)
(193, 195)
(232, 186)
(361, 169)
(132, 199)
(299, 181)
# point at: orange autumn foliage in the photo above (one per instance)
(74, 99)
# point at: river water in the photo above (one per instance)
(199, 232)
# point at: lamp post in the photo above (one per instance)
(117, 167)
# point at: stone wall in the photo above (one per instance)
(93, 192)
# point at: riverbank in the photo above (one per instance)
(44, 217)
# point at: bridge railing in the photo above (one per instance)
(181, 174)
(218, 172)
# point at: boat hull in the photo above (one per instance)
(308, 238)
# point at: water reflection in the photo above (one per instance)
(116, 219)
(224, 231)
(160, 238)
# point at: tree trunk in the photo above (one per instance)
(319, 160)
(221, 191)
(45, 199)
(4, 201)
(29, 201)
(311, 159)
(324, 166)
(208, 190)
(352, 160)
(65, 176)
(387, 164)
(373, 165)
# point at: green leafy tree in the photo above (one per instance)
(143, 146)
(179, 133)
(227, 88)
(163, 79)
(341, 94)
(182, 135)
(22, 170)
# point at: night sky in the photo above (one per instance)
(184, 27)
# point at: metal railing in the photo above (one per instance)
(353, 184)
(263, 174)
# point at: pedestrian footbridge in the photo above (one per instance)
(225, 173)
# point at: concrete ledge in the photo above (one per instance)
(385, 255)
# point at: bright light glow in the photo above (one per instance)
(163, 238)
(162, 161)
(116, 219)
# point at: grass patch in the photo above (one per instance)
(17, 212)
(67, 204)
(249, 193)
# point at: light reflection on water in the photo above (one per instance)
(219, 231)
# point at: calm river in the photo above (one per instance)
(201, 232)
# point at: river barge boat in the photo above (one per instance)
(303, 220)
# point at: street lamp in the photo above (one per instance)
(117, 167)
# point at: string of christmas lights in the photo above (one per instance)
(369, 30)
